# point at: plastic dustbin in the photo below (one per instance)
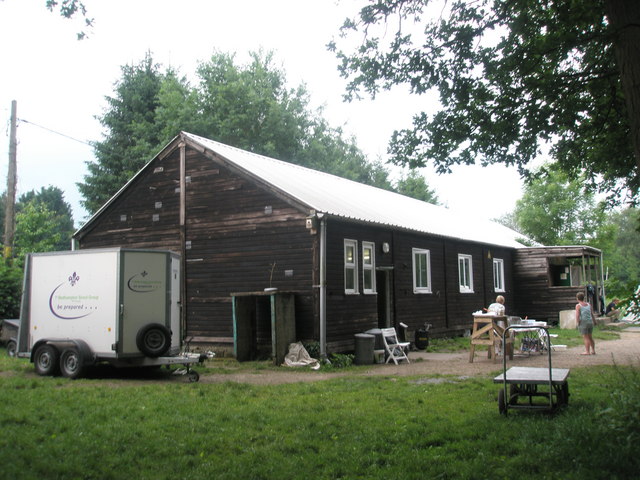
(377, 333)
(364, 349)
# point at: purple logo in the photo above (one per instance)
(67, 306)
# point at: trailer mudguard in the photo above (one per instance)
(88, 356)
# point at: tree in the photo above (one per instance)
(511, 75)
(414, 185)
(131, 135)
(61, 214)
(36, 230)
(251, 107)
(557, 210)
(247, 106)
(10, 290)
(622, 256)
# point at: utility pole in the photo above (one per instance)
(10, 201)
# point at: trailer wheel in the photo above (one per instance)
(45, 360)
(71, 363)
(154, 340)
(12, 348)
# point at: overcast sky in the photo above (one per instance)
(60, 83)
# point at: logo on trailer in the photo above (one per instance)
(139, 283)
(67, 304)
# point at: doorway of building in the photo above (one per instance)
(384, 286)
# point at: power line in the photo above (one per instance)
(90, 144)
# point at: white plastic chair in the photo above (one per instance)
(395, 349)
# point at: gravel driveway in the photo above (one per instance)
(624, 351)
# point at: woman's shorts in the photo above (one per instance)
(585, 328)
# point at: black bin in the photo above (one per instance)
(364, 349)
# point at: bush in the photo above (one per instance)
(10, 290)
(622, 416)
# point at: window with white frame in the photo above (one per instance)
(350, 266)
(368, 267)
(465, 273)
(421, 270)
(498, 274)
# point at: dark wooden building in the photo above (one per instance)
(354, 257)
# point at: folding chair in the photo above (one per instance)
(395, 350)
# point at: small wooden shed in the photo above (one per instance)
(547, 280)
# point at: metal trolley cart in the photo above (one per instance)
(530, 382)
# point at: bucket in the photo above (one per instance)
(378, 356)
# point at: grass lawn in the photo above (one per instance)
(347, 428)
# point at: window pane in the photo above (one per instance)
(421, 270)
(368, 280)
(366, 256)
(349, 254)
(349, 279)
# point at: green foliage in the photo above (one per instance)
(622, 256)
(555, 209)
(341, 360)
(132, 136)
(248, 106)
(44, 222)
(622, 414)
(61, 219)
(511, 76)
(10, 290)
(36, 230)
(70, 9)
(414, 185)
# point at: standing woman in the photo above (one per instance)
(584, 320)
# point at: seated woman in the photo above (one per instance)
(498, 306)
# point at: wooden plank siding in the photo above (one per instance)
(235, 230)
(536, 296)
(448, 310)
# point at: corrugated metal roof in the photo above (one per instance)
(350, 200)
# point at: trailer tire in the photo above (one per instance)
(71, 363)
(45, 360)
(154, 340)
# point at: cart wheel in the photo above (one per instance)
(193, 376)
(514, 394)
(45, 360)
(502, 405)
(153, 340)
(71, 363)
(12, 348)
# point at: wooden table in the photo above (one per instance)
(488, 330)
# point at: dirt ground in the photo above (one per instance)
(624, 351)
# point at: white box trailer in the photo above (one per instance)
(120, 306)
